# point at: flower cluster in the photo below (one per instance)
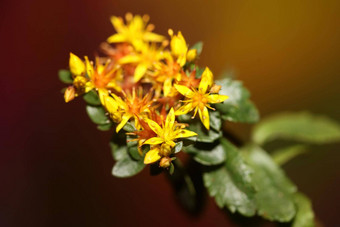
(147, 80)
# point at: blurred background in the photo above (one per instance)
(55, 166)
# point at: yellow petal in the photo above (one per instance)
(129, 59)
(152, 156)
(110, 104)
(204, 117)
(153, 37)
(102, 93)
(167, 86)
(183, 133)
(125, 119)
(116, 38)
(89, 67)
(140, 71)
(215, 98)
(206, 81)
(181, 60)
(77, 66)
(186, 108)
(170, 120)
(118, 23)
(184, 90)
(155, 127)
(154, 141)
(88, 86)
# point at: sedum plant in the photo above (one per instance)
(148, 90)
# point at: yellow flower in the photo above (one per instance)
(148, 57)
(199, 99)
(166, 135)
(134, 106)
(87, 77)
(135, 31)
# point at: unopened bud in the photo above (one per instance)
(69, 94)
(191, 55)
(165, 150)
(215, 88)
(165, 162)
(79, 82)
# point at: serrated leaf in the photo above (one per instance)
(207, 153)
(97, 115)
(92, 98)
(198, 46)
(231, 184)
(285, 154)
(305, 215)
(275, 192)
(125, 166)
(238, 107)
(302, 127)
(65, 76)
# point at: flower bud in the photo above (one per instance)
(69, 94)
(165, 162)
(191, 55)
(215, 88)
(165, 150)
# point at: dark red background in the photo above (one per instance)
(55, 167)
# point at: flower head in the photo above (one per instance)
(166, 136)
(199, 99)
(135, 31)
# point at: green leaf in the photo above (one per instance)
(65, 76)
(198, 46)
(171, 169)
(133, 150)
(118, 152)
(207, 153)
(285, 154)
(231, 184)
(97, 115)
(178, 147)
(305, 215)
(302, 127)
(204, 135)
(105, 127)
(215, 120)
(129, 127)
(238, 107)
(125, 166)
(92, 98)
(275, 192)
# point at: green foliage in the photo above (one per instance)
(125, 166)
(65, 76)
(207, 153)
(92, 98)
(204, 135)
(285, 154)
(302, 127)
(105, 127)
(198, 46)
(129, 127)
(305, 215)
(275, 192)
(178, 147)
(97, 115)
(238, 107)
(231, 183)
